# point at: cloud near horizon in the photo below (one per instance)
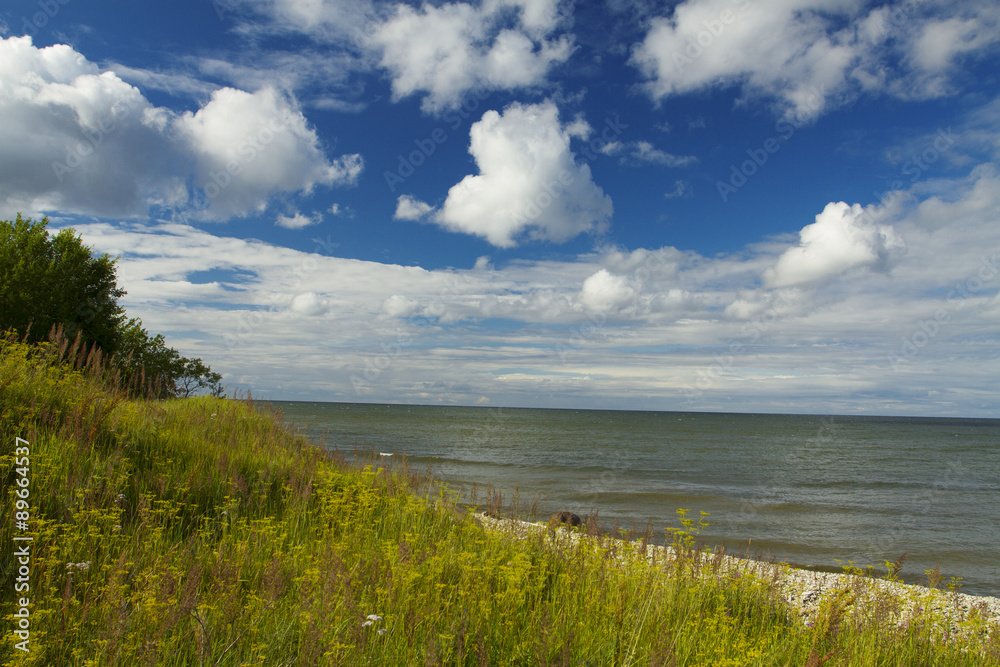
(653, 328)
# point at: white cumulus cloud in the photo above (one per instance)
(75, 139)
(309, 303)
(529, 182)
(78, 140)
(250, 146)
(811, 55)
(603, 291)
(447, 50)
(842, 238)
(408, 208)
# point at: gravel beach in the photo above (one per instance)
(805, 590)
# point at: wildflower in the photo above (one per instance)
(382, 631)
(374, 617)
(117, 528)
(366, 624)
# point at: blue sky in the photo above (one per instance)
(739, 205)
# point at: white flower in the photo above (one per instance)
(374, 617)
(382, 631)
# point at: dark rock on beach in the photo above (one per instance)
(567, 518)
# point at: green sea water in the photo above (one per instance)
(804, 489)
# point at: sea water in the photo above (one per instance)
(818, 491)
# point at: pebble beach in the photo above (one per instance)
(805, 590)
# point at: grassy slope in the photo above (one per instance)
(213, 536)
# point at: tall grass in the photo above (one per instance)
(204, 532)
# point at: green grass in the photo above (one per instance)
(212, 535)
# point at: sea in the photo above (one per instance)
(818, 491)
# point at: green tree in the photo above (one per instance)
(197, 376)
(51, 281)
(48, 281)
(147, 359)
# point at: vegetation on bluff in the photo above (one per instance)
(203, 532)
(52, 285)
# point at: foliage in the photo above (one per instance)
(54, 283)
(203, 532)
(162, 368)
(48, 281)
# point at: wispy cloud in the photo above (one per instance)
(644, 153)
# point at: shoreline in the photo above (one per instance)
(804, 589)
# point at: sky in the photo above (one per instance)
(783, 206)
